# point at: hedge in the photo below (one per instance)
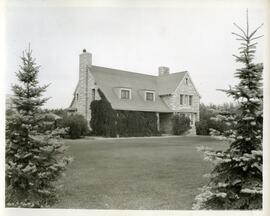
(105, 121)
(135, 123)
(103, 117)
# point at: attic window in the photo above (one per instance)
(186, 81)
(149, 96)
(93, 94)
(125, 94)
(77, 96)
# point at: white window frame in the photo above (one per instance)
(125, 89)
(152, 92)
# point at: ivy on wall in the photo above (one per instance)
(106, 121)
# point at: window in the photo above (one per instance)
(77, 95)
(125, 94)
(186, 81)
(186, 99)
(181, 99)
(93, 94)
(149, 96)
(190, 100)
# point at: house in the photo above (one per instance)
(166, 94)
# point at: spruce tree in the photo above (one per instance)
(236, 180)
(34, 160)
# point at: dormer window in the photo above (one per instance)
(125, 94)
(149, 96)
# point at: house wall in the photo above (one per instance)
(173, 100)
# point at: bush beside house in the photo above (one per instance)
(181, 124)
(103, 117)
(76, 124)
(207, 115)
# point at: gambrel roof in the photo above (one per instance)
(111, 80)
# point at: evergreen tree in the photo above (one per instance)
(236, 180)
(34, 161)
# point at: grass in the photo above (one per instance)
(141, 173)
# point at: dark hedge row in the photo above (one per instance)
(103, 117)
(105, 121)
(134, 123)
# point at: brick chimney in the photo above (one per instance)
(162, 70)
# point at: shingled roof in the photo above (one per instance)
(111, 80)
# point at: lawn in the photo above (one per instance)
(139, 173)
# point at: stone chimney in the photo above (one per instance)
(85, 63)
(162, 70)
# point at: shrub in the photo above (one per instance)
(135, 123)
(207, 115)
(60, 112)
(76, 124)
(103, 117)
(181, 124)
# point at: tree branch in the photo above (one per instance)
(240, 29)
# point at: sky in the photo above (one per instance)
(138, 38)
